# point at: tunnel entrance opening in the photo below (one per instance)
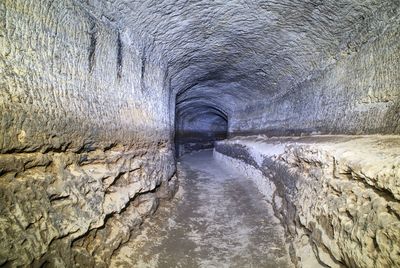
(199, 129)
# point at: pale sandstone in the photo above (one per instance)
(336, 195)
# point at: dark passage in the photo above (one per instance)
(197, 128)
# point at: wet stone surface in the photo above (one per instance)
(219, 219)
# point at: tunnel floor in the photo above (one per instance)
(219, 219)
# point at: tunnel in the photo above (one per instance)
(198, 125)
(200, 133)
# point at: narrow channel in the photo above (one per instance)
(220, 220)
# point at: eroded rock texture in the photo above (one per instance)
(338, 196)
(84, 147)
(293, 67)
(93, 91)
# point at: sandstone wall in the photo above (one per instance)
(86, 110)
(85, 132)
(338, 197)
(358, 92)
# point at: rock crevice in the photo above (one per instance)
(52, 199)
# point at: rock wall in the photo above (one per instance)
(356, 92)
(337, 196)
(85, 133)
(88, 93)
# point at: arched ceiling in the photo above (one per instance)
(226, 53)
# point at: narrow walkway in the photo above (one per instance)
(220, 220)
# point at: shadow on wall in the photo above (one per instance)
(199, 132)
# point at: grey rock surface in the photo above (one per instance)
(338, 196)
(92, 93)
(80, 141)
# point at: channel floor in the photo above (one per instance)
(218, 219)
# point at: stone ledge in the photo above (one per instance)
(338, 193)
(67, 209)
